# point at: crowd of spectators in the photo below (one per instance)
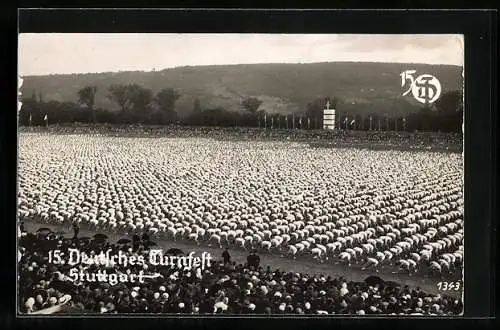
(222, 288)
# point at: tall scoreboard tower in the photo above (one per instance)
(329, 117)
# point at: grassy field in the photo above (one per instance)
(173, 178)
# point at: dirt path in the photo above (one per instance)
(301, 265)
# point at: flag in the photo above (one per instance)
(265, 120)
(346, 119)
(353, 121)
(300, 121)
(45, 118)
(30, 119)
(308, 121)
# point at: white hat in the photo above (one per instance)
(134, 294)
(277, 294)
(156, 295)
(361, 312)
(307, 305)
(220, 305)
(251, 306)
(161, 288)
(30, 302)
(282, 307)
(181, 305)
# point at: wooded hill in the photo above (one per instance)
(361, 88)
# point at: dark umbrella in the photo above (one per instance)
(149, 244)
(174, 251)
(84, 240)
(391, 284)
(373, 280)
(100, 237)
(43, 231)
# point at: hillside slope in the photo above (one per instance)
(283, 88)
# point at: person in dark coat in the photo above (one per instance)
(136, 241)
(76, 229)
(250, 261)
(226, 256)
(257, 260)
(145, 238)
(253, 260)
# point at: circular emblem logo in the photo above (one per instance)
(426, 89)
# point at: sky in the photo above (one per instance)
(64, 53)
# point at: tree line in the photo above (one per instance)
(139, 105)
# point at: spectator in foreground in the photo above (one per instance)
(76, 229)
(226, 257)
(253, 260)
(235, 290)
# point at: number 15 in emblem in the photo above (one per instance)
(425, 88)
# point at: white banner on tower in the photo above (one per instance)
(329, 117)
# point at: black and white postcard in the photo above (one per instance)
(240, 174)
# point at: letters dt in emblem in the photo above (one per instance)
(425, 88)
